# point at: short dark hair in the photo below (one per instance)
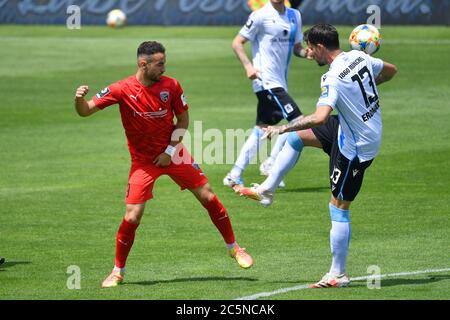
(149, 48)
(324, 34)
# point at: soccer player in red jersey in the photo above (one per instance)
(148, 102)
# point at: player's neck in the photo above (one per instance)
(333, 55)
(143, 80)
(280, 7)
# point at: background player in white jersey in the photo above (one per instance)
(351, 139)
(275, 33)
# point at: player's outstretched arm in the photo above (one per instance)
(388, 72)
(83, 107)
(318, 118)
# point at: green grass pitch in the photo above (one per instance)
(62, 177)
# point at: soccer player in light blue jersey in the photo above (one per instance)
(352, 138)
(275, 32)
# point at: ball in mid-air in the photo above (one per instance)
(365, 38)
(116, 18)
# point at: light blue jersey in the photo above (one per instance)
(349, 88)
(273, 36)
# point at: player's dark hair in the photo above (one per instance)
(149, 48)
(324, 34)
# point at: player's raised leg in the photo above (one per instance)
(221, 220)
(124, 242)
(285, 161)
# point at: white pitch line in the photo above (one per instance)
(306, 286)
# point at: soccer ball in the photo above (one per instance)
(365, 38)
(116, 18)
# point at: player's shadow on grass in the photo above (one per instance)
(401, 282)
(155, 282)
(9, 264)
(299, 190)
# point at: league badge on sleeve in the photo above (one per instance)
(184, 100)
(103, 93)
(325, 91)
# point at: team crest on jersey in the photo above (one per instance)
(164, 96)
(103, 93)
(325, 90)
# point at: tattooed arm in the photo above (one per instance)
(301, 123)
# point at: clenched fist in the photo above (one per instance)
(81, 91)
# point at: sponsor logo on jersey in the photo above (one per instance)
(103, 93)
(164, 96)
(325, 90)
(152, 114)
(355, 172)
(196, 166)
(249, 24)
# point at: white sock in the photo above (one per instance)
(285, 161)
(339, 239)
(278, 146)
(248, 152)
(231, 246)
(121, 270)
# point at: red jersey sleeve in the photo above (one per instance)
(179, 103)
(108, 96)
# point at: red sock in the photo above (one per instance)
(219, 217)
(124, 241)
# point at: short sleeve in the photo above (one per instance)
(179, 102)
(377, 65)
(250, 30)
(299, 33)
(329, 93)
(108, 96)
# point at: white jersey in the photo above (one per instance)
(349, 88)
(273, 36)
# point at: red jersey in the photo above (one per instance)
(147, 113)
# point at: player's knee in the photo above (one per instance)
(295, 142)
(339, 214)
(204, 193)
(134, 213)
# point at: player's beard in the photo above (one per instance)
(153, 77)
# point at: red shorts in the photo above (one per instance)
(187, 175)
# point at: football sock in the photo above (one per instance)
(247, 153)
(339, 238)
(285, 161)
(278, 146)
(219, 217)
(124, 242)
